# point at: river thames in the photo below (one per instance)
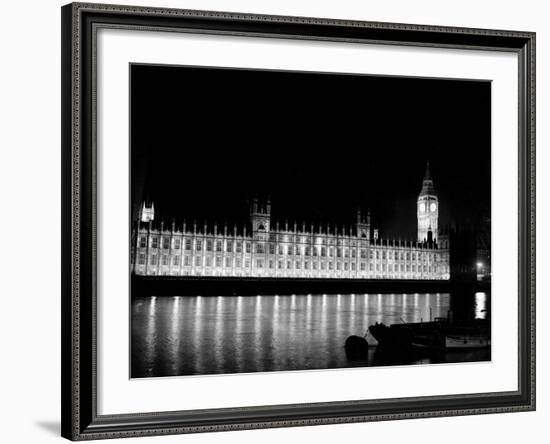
(194, 335)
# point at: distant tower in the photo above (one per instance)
(427, 208)
(363, 225)
(147, 213)
(260, 216)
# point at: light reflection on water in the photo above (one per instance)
(186, 335)
(480, 305)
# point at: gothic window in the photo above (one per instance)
(298, 250)
(248, 247)
(363, 254)
(197, 261)
(289, 265)
(297, 265)
(271, 264)
(238, 262)
(271, 248)
(239, 247)
(176, 260)
(229, 247)
(218, 245)
(218, 261)
(339, 252)
(280, 264)
(177, 244)
(306, 265)
(323, 251)
(281, 251)
(198, 245)
(259, 248)
(330, 265)
(208, 245)
(208, 261)
(353, 252)
(259, 263)
(315, 265)
(187, 260)
(141, 259)
(228, 262)
(164, 259)
(247, 263)
(166, 243)
(155, 242)
(353, 266)
(261, 227)
(153, 259)
(142, 242)
(188, 244)
(338, 265)
(363, 266)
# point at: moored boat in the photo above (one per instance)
(438, 335)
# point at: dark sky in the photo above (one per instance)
(320, 145)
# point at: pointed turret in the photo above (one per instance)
(427, 183)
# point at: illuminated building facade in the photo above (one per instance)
(264, 249)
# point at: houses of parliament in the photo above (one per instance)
(263, 248)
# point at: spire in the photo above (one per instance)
(427, 183)
(427, 176)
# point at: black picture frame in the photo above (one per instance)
(79, 169)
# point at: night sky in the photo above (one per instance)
(205, 140)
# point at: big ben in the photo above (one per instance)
(427, 208)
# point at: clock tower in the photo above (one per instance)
(427, 208)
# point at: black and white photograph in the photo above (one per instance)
(293, 220)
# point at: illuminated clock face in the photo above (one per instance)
(422, 207)
(432, 207)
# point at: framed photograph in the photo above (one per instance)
(279, 221)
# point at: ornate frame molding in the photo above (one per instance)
(80, 420)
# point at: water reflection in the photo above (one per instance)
(230, 334)
(480, 305)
